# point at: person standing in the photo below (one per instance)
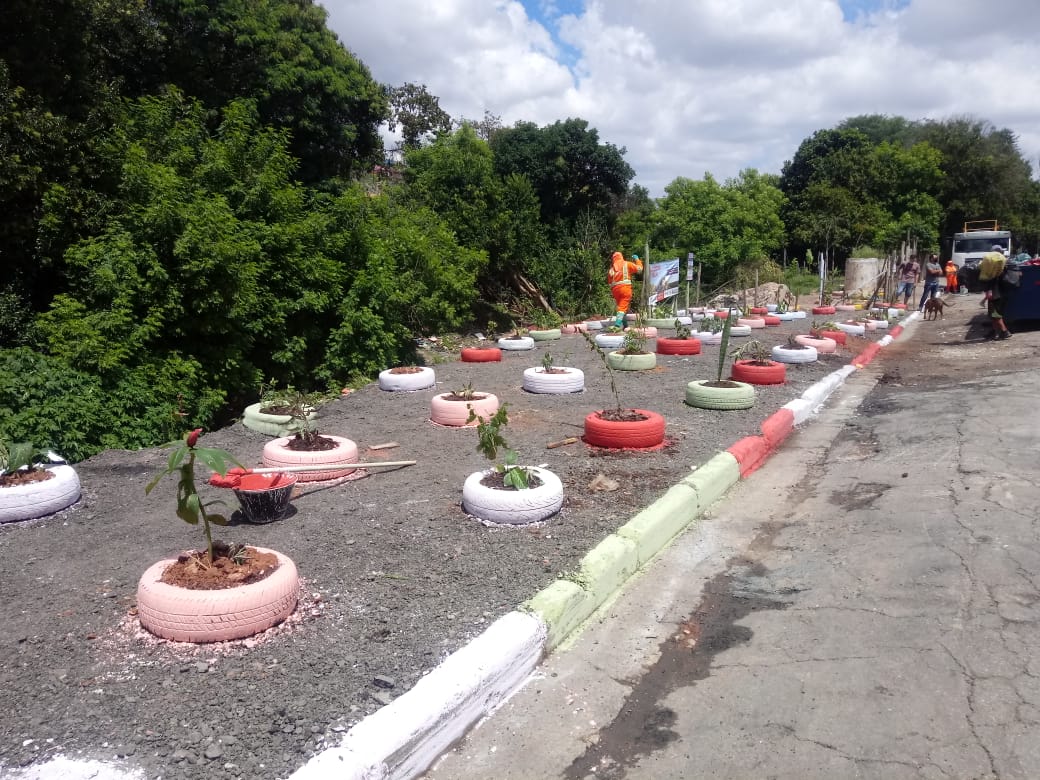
(994, 291)
(932, 273)
(908, 273)
(619, 277)
(951, 277)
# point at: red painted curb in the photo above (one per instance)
(750, 452)
(867, 355)
(777, 427)
(895, 331)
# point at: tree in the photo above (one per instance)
(417, 113)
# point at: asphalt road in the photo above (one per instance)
(864, 606)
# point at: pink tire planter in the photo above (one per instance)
(277, 453)
(822, 346)
(184, 615)
(455, 414)
(752, 322)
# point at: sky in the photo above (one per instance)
(689, 87)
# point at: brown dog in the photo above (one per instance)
(932, 307)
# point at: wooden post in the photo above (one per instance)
(697, 301)
(755, 299)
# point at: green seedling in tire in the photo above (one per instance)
(490, 440)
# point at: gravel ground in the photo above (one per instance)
(396, 575)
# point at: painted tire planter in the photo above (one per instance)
(593, 325)
(782, 354)
(660, 322)
(686, 319)
(183, 615)
(536, 380)
(880, 324)
(837, 336)
(516, 344)
(609, 340)
(786, 316)
(823, 346)
(853, 329)
(480, 355)
(513, 507)
(642, 362)
(798, 315)
(772, 307)
(773, 373)
(577, 327)
(639, 434)
(823, 310)
(550, 334)
(277, 453)
(418, 381)
(740, 396)
(37, 499)
(456, 413)
(760, 310)
(668, 346)
(741, 330)
(751, 322)
(772, 320)
(707, 337)
(271, 424)
(900, 306)
(647, 332)
(845, 307)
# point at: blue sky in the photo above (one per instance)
(696, 87)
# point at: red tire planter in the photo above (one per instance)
(721, 314)
(746, 371)
(670, 346)
(759, 310)
(898, 306)
(772, 321)
(823, 310)
(277, 453)
(837, 336)
(478, 355)
(186, 615)
(625, 435)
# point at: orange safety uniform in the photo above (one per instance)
(951, 276)
(619, 277)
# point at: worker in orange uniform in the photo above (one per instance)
(619, 277)
(951, 277)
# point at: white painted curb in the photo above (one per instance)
(846, 371)
(801, 409)
(405, 737)
(884, 341)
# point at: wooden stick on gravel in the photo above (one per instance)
(554, 444)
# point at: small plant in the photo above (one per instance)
(490, 441)
(591, 341)
(613, 329)
(634, 342)
(753, 350)
(546, 320)
(519, 333)
(827, 325)
(713, 324)
(21, 455)
(781, 307)
(465, 393)
(190, 507)
(681, 331)
(723, 346)
(547, 361)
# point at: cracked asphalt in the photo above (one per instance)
(864, 606)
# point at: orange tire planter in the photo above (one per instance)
(640, 434)
(455, 414)
(277, 453)
(671, 346)
(823, 310)
(183, 615)
(748, 371)
(478, 355)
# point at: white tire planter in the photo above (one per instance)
(536, 380)
(798, 315)
(522, 343)
(852, 330)
(277, 453)
(513, 507)
(707, 337)
(609, 340)
(271, 424)
(696, 316)
(183, 615)
(786, 316)
(642, 362)
(593, 325)
(782, 354)
(37, 499)
(742, 330)
(684, 319)
(455, 414)
(550, 334)
(392, 382)
(772, 307)
(880, 324)
(896, 312)
(845, 307)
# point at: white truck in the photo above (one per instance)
(977, 239)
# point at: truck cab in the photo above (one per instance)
(977, 239)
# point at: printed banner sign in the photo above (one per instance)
(664, 281)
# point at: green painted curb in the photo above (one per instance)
(562, 606)
(606, 566)
(713, 479)
(654, 527)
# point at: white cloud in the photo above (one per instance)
(689, 87)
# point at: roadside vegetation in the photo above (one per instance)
(196, 201)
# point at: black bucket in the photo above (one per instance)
(265, 504)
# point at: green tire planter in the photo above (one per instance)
(277, 425)
(641, 362)
(545, 335)
(736, 395)
(660, 322)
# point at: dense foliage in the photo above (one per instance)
(195, 201)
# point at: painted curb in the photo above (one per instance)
(714, 478)
(800, 408)
(562, 607)
(403, 738)
(778, 426)
(655, 526)
(750, 452)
